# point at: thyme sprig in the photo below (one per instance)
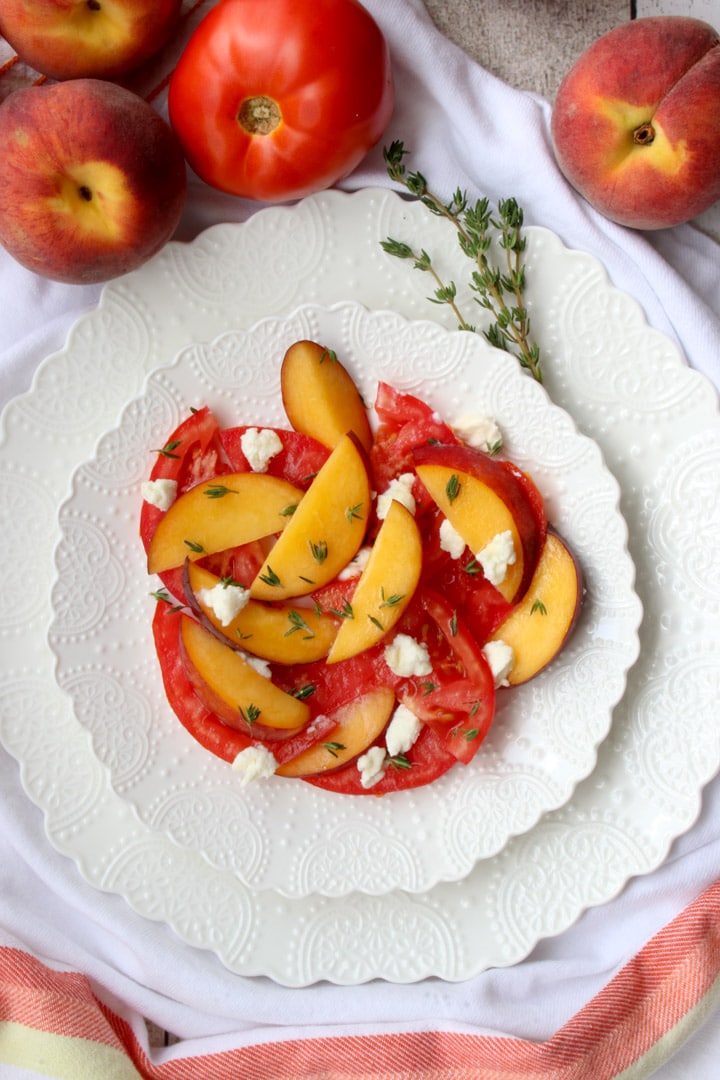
(497, 288)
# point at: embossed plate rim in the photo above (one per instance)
(509, 903)
(285, 824)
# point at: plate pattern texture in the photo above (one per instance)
(625, 385)
(290, 836)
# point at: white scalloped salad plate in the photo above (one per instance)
(626, 386)
(287, 835)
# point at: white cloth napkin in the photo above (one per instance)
(465, 128)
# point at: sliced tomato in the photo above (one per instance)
(429, 758)
(191, 455)
(220, 739)
(299, 460)
(404, 423)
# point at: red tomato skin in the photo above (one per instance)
(324, 63)
(430, 760)
(206, 728)
(196, 457)
(299, 460)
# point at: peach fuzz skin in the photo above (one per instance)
(636, 122)
(92, 180)
(74, 39)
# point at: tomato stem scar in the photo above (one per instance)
(259, 115)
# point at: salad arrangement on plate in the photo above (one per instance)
(341, 604)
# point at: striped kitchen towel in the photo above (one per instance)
(53, 1024)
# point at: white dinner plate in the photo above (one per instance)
(626, 386)
(287, 835)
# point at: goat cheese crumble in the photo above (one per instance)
(260, 445)
(160, 493)
(225, 600)
(405, 656)
(356, 565)
(254, 763)
(451, 540)
(480, 432)
(402, 732)
(399, 490)
(496, 556)
(500, 657)
(371, 766)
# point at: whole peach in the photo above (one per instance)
(92, 180)
(72, 39)
(636, 122)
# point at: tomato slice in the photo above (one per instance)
(220, 739)
(298, 461)
(205, 727)
(190, 456)
(429, 758)
(404, 423)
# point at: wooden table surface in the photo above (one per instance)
(530, 44)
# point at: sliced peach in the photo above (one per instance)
(359, 724)
(232, 689)
(326, 530)
(385, 587)
(540, 625)
(481, 499)
(284, 633)
(219, 514)
(320, 396)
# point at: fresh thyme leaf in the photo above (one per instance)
(333, 747)
(538, 606)
(494, 448)
(218, 491)
(497, 287)
(454, 624)
(471, 733)
(328, 354)
(197, 548)
(298, 623)
(472, 567)
(167, 450)
(452, 488)
(319, 550)
(428, 687)
(229, 581)
(271, 578)
(249, 715)
(241, 636)
(391, 601)
(353, 512)
(305, 691)
(399, 761)
(345, 612)
(289, 510)
(376, 622)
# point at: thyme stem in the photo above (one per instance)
(477, 231)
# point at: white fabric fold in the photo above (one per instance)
(464, 128)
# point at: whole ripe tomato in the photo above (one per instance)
(276, 99)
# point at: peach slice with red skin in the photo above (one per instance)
(219, 514)
(284, 633)
(325, 531)
(233, 690)
(538, 628)
(481, 498)
(359, 724)
(320, 396)
(386, 585)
